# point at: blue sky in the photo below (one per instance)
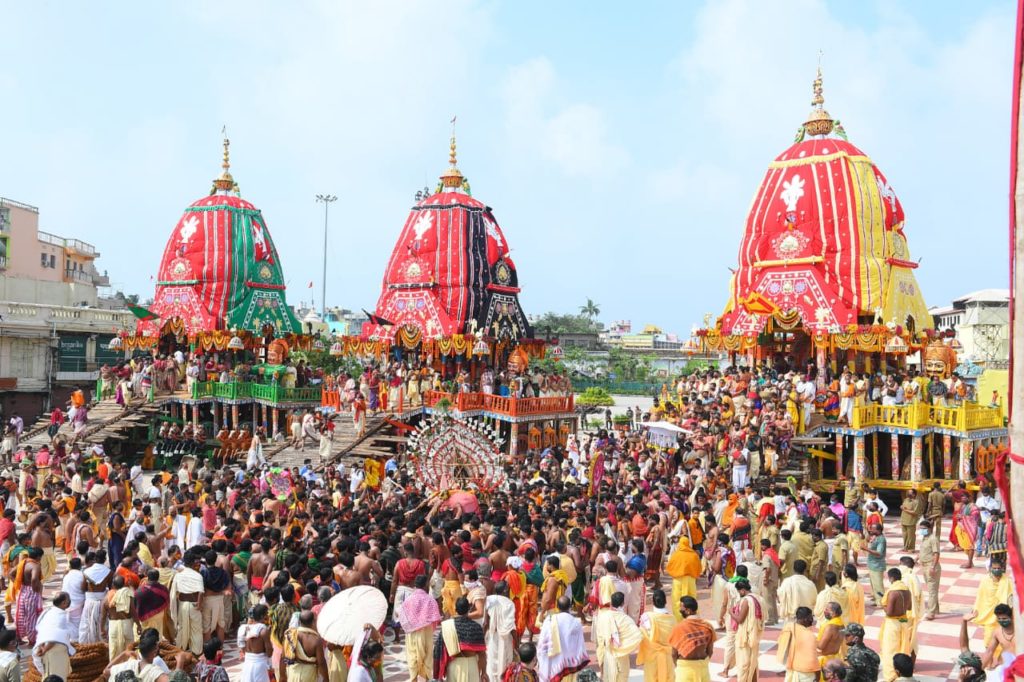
(619, 143)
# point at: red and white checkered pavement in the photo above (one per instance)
(938, 640)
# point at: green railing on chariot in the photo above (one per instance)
(240, 390)
(618, 387)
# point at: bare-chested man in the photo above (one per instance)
(368, 568)
(83, 531)
(438, 551)
(259, 566)
(344, 572)
(830, 632)
(499, 557)
(303, 657)
(41, 528)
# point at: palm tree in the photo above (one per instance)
(590, 310)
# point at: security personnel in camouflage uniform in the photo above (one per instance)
(861, 662)
(931, 568)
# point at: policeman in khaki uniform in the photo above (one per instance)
(910, 514)
(931, 569)
(936, 503)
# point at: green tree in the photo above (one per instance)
(595, 396)
(590, 310)
(562, 323)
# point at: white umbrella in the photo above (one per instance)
(343, 617)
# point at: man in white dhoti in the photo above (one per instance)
(499, 630)
(254, 457)
(254, 643)
(53, 650)
(194, 532)
(72, 584)
(807, 391)
(561, 650)
(97, 577)
(847, 390)
(186, 593)
(617, 637)
(177, 524)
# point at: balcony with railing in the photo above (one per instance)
(80, 247)
(51, 239)
(17, 204)
(38, 315)
(76, 246)
(915, 416)
(73, 275)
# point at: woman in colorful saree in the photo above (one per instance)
(968, 518)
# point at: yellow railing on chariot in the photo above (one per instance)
(963, 417)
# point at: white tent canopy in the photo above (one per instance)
(664, 434)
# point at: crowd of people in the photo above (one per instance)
(608, 540)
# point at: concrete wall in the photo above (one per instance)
(24, 290)
(24, 250)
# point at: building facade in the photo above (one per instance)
(54, 328)
(981, 320)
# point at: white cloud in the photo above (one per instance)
(573, 136)
(931, 108)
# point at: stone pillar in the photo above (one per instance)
(839, 455)
(916, 463)
(947, 456)
(858, 460)
(514, 440)
(895, 456)
(966, 450)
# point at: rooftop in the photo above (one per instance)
(17, 204)
(985, 296)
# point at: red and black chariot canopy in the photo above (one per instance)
(450, 271)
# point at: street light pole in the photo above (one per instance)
(326, 200)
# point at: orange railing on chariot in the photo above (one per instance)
(513, 407)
